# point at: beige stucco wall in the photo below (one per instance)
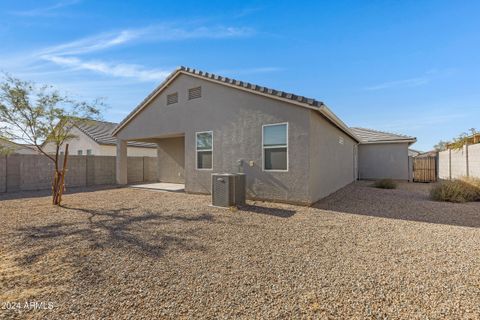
(84, 142)
(171, 160)
(80, 142)
(383, 160)
(332, 158)
(236, 118)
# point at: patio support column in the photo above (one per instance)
(121, 162)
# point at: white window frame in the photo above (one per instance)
(196, 151)
(263, 147)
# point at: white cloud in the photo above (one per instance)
(45, 11)
(149, 34)
(116, 70)
(413, 82)
(166, 33)
(93, 44)
(67, 54)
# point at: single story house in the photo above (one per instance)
(95, 138)
(291, 148)
(11, 147)
(383, 155)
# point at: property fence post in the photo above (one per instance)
(121, 161)
(467, 165)
(449, 164)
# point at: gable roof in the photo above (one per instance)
(241, 85)
(375, 136)
(101, 132)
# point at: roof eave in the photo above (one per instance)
(409, 141)
(325, 111)
(130, 146)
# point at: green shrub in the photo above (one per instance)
(385, 184)
(460, 190)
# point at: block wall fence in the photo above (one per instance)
(35, 172)
(453, 164)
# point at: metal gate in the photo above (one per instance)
(425, 169)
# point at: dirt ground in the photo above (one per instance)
(130, 253)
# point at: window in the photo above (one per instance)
(172, 98)
(80, 152)
(194, 93)
(62, 153)
(204, 149)
(89, 152)
(275, 147)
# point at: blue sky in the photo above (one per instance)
(409, 67)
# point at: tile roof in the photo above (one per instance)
(101, 132)
(375, 136)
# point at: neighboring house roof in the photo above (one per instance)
(413, 152)
(375, 136)
(241, 85)
(18, 147)
(101, 132)
(432, 153)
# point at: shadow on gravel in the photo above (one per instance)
(281, 213)
(412, 205)
(147, 233)
(47, 192)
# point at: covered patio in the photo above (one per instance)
(170, 171)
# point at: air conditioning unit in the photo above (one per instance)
(228, 189)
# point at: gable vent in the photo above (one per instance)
(172, 98)
(194, 93)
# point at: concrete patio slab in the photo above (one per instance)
(161, 186)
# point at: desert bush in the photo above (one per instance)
(459, 190)
(385, 184)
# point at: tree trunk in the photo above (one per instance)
(58, 185)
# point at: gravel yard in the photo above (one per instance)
(131, 253)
